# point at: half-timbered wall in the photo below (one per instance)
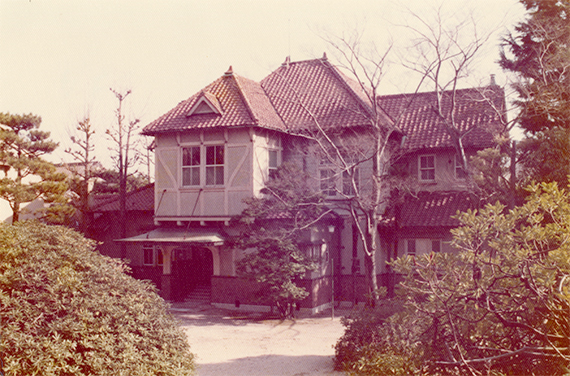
(197, 194)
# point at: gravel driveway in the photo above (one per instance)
(230, 343)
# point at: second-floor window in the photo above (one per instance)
(328, 181)
(349, 182)
(427, 167)
(203, 165)
(215, 165)
(459, 170)
(191, 166)
(272, 162)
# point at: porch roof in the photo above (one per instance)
(178, 236)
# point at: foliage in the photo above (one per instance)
(272, 226)
(371, 345)
(499, 305)
(538, 53)
(66, 310)
(492, 172)
(22, 146)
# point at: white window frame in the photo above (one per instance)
(193, 168)
(148, 248)
(347, 188)
(156, 255)
(203, 168)
(272, 168)
(328, 183)
(459, 169)
(421, 168)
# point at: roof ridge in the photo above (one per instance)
(246, 100)
(494, 87)
(343, 78)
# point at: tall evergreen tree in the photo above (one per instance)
(22, 146)
(539, 53)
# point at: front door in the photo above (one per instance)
(191, 267)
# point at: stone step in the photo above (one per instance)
(200, 293)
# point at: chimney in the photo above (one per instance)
(286, 62)
(493, 83)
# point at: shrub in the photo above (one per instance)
(374, 344)
(67, 310)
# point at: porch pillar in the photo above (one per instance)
(166, 278)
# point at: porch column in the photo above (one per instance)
(166, 279)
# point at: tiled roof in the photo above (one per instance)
(433, 209)
(141, 199)
(287, 99)
(301, 90)
(242, 103)
(477, 110)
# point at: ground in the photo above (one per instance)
(230, 343)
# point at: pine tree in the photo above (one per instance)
(539, 53)
(22, 146)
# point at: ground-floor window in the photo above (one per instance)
(152, 255)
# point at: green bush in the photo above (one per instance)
(374, 344)
(67, 310)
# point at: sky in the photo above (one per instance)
(58, 59)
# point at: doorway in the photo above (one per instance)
(192, 268)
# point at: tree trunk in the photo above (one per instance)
(370, 264)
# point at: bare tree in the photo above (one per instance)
(440, 50)
(82, 170)
(123, 136)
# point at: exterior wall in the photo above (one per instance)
(445, 178)
(245, 172)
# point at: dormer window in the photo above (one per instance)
(206, 104)
(427, 168)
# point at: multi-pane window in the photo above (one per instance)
(349, 182)
(215, 165)
(203, 165)
(152, 255)
(272, 162)
(427, 167)
(459, 170)
(148, 254)
(327, 181)
(191, 166)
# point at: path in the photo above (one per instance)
(230, 343)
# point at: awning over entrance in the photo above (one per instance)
(178, 236)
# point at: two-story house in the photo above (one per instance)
(219, 147)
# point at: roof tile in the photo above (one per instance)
(141, 199)
(477, 113)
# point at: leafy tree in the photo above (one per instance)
(272, 226)
(538, 53)
(22, 146)
(67, 310)
(501, 304)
